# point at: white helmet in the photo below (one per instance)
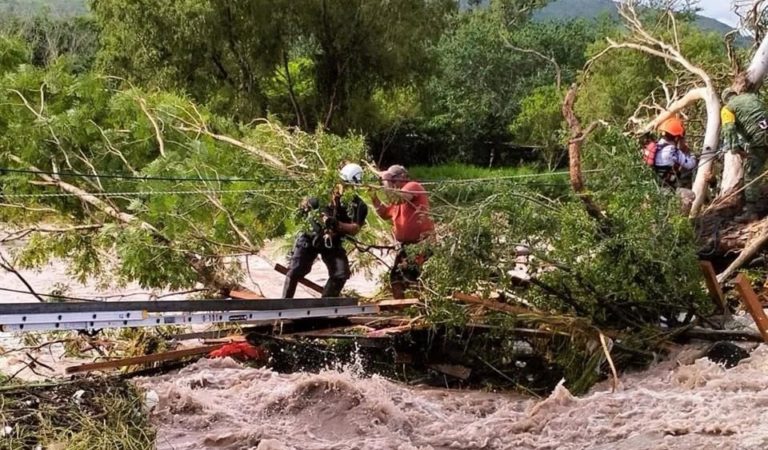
(352, 173)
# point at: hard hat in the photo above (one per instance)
(673, 126)
(727, 94)
(352, 173)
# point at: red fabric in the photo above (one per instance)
(410, 218)
(238, 350)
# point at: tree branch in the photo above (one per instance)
(158, 134)
(6, 265)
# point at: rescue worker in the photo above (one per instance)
(409, 213)
(335, 221)
(745, 131)
(672, 160)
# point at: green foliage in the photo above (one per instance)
(541, 122)
(51, 37)
(13, 53)
(644, 267)
(486, 71)
(247, 58)
(83, 124)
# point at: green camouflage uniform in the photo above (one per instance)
(745, 126)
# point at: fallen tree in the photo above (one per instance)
(719, 236)
(174, 190)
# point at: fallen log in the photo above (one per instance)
(494, 306)
(136, 360)
(706, 334)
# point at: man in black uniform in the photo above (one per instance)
(325, 239)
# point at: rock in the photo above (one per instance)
(726, 353)
(151, 399)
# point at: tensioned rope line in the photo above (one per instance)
(63, 297)
(270, 179)
(126, 176)
(145, 193)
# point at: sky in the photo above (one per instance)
(720, 10)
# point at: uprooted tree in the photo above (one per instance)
(693, 84)
(144, 186)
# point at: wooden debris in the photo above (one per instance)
(245, 295)
(752, 304)
(310, 284)
(391, 321)
(390, 305)
(226, 340)
(455, 371)
(489, 304)
(722, 335)
(135, 360)
(715, 291)
(389, 331)
(333, 330)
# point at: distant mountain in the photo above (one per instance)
(57, 8)
(592, 9)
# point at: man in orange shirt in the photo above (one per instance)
(409, 214)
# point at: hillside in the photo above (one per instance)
(590, 9)
(60, 8)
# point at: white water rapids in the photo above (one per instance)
(219, 404)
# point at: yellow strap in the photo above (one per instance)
(726, 116)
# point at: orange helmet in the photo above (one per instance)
(673, 126)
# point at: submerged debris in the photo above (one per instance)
(87, 413)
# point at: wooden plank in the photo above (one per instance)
(224, 340)
(715, 291)
(495, 306)
(393, 305)
(135, 360)
(722, 335)
(310, 284)
(245, 295)
(753, 305)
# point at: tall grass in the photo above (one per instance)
(456, 171)
(444, 181)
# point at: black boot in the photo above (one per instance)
(333, 287)
(289, 287)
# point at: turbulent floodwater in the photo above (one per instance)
(219, 404)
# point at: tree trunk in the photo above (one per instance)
(578, 134)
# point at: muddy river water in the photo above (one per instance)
(680, 403)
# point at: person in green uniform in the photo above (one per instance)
(744, 130)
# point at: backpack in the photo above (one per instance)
(649, 153)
